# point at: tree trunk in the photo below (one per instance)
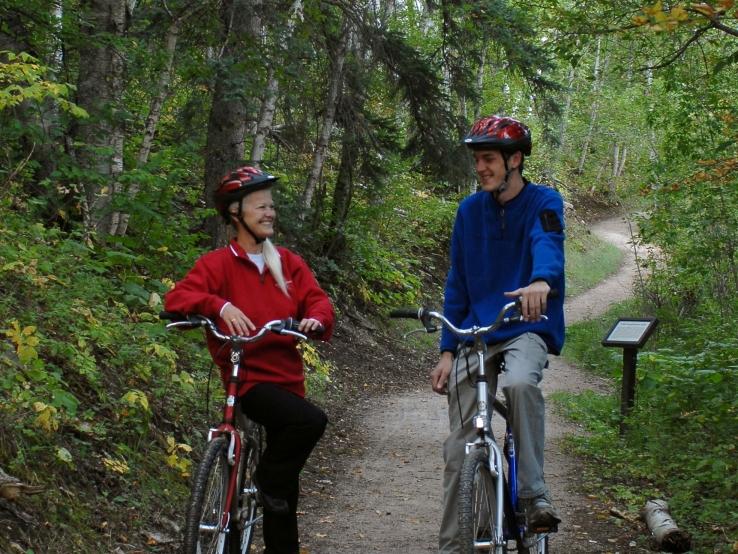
(99, 89)
(623, 156)
(269, 103)
(566, 111)
(334, 89)
(595, 107)
(119, 223)
(480, 84)
(229, 113)
(342, 196)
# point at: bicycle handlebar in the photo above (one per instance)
(426, 315)
(287, 326)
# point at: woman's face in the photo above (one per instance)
(258, 213)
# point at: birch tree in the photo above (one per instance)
(335, 82)
(269, 101)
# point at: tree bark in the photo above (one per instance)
(342, 196)
(99, 89)
(229, 113)
(326, 127)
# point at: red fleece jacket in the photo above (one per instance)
(228, 275)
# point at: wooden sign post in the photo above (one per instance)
(630, 334)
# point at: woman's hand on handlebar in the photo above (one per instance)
(532, 300)
(439, 375)
(236, 320)
(310, 326)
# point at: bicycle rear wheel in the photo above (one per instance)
(245, 515)
(477, 505)
(203, 532)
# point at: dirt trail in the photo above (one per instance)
(387, 497)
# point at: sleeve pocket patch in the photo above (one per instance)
(550, 222)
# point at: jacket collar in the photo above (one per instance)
(237, 250)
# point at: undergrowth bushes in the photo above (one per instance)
(682, 434)
(90, 385)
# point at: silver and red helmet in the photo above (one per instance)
(237, 184)
(505, 134)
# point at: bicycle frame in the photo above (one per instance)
(231, 413)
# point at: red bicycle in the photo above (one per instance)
(223, 509)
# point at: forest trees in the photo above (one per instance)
(336, 97)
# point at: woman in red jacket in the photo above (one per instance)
(242, 286)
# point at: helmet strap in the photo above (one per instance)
(503, 186)
(246, 227)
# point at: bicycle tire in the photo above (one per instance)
(245, 509)
(477, 499)
(207, 501)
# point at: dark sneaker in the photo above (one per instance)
(540, 515)
(271, 504)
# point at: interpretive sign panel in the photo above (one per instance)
(630, 332)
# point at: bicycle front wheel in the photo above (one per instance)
(477, 505)
(245, 515)
(203, 529)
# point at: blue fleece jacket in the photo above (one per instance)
(500, 248)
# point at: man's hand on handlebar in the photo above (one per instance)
(439, 375)
(236, 320)
(532, 300)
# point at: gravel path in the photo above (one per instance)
(387, 496)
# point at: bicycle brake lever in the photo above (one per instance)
(415, 331)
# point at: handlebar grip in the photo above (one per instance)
(409, 313)
(292, 324)
(172, 316)
(177, 317)
(553, 293)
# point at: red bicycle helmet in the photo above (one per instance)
(237, 184)
(499, 133)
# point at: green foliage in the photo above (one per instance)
(684, 397)
(317, 370)
(22, 79)
(79, 387)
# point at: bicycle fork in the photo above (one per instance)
(233, 456)
(482, 423)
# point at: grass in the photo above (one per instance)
(583, 340)
(589, 260)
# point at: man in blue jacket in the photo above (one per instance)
(507, 242)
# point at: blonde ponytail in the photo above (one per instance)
(273, 261)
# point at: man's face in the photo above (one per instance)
(490, 166)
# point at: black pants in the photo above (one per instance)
(293, 427)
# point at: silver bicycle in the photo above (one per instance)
(490, 519)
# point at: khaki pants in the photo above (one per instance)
(525, 358)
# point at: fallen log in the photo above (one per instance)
(12, 487)
(665, 532)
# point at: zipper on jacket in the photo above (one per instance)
(502, 221)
